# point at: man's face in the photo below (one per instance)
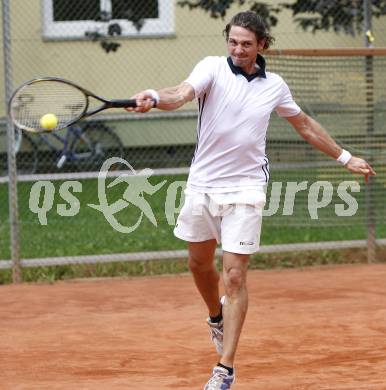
(243, 47)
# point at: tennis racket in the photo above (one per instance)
(63, 100)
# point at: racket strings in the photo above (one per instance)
(35, 100)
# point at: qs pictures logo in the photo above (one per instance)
(130, 191)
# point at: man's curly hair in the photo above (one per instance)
(252, 22)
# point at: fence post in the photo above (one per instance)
(12, 178)
(370, 188)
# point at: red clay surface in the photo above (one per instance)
(314, 329)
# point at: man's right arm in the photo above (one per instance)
(170, 98)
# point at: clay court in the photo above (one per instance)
(314, 329)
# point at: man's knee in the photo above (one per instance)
(235, 272)
(201, 256)
(234, 279)
(200, 263)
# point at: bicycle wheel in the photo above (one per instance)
(104, 143)
(26, 154)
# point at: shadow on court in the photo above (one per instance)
(314, 329)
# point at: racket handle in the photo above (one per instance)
(126, 103)
(122, 103)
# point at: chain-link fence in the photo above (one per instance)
(116, 48)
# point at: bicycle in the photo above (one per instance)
(84, 146)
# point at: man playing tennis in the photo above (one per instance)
(225, 192)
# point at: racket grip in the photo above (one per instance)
(127, 103)
(124, 103)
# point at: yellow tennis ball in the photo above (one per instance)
(49, 121)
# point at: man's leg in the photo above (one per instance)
(235, 268)
(205, 274)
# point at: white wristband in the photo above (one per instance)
(154, 94)
(344, 157)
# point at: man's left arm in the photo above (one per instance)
(314, 133)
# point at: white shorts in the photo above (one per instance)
(232, 219)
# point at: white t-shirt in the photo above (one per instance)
(232, 124)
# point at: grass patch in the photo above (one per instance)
(88, 232)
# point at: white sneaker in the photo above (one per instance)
(220, 379)
(216, 331)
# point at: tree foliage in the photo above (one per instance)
(345, 16)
